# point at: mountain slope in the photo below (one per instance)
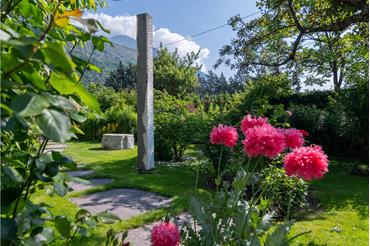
(124, 40)
(107, 60)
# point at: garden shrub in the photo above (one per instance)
(308, 118)
(341, 127)
(256, 97)
(118, 113)
(175, 133)
(178, 123)
(281, 190)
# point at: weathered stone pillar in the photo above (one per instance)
(144, 88)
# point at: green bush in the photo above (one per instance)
(123, 117)
(178, 123)
(280, 189)
(174, 133)
(118, 113)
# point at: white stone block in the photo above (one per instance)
(117, 141)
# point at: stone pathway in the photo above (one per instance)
(125, 203)
(93, 183)
(80, 173)
(54, 146)
(141, 236)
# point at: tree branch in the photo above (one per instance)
(286, 60)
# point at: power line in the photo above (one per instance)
(209, 30)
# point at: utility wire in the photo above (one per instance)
(209, 30)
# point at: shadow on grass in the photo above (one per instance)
(339, 190)
(97, 148)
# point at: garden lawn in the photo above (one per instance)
(120, 165)
(342, 218)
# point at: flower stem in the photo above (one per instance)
(218, 169)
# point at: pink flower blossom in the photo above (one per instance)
(226, 135)
(306, 162)
(293, 137)
(289, 113)
(263, 141)
(304, 133)
(165, 234)
(249, 122)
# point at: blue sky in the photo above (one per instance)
(174, 19)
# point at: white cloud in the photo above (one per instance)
(165, 36)
(118, 25)
(126, 25)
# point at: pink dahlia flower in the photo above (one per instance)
(249, 122)
(293, 137)
(165, 234)
(264, 141)
(226, 135)
(306, 162)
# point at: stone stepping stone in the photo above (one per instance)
(80, 173)
(141, 236)
(93, 182)
(54, 146)
(125, 203)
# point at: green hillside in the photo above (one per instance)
(107, 60)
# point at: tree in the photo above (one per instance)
(176, 75)
(275, 41)
(212, 84)
(124, 77)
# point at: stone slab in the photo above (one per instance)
(116, 141)
(125, 203)
(80, 173)
(141, 236)
(92, 184)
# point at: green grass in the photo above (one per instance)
(343, 204)
(342, 198)
(120, 166)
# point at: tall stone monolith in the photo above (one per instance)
(145, 111)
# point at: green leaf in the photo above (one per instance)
(63, 225)
(56, 56)
(78, 117)
(60, 189)
(107, 217)
(83, 231)
(87, 98)
(101, 27)
(92, 67)
(63, 84)
(29, 104)
(82, 215)
(46, 236)
(55, 125)
(90, 24)
(35, 79)
(12, 173)
(91, 222)
(77, 130)
(98, 43)
(279, 236)
(62, 103)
